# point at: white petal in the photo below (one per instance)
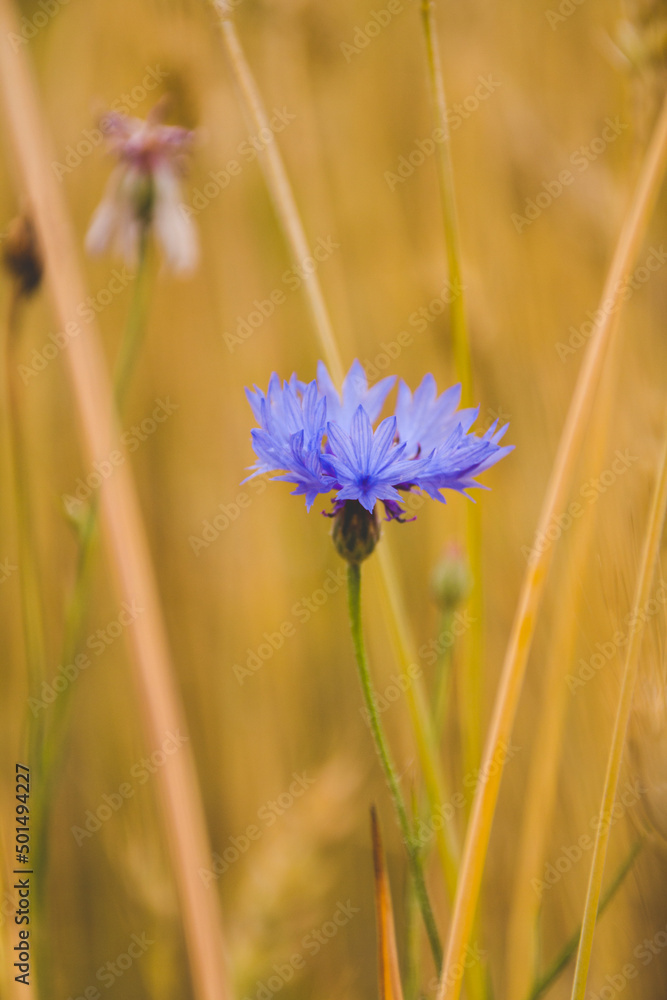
(173, 228)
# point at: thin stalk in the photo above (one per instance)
(532, 588)
(421, 717)
(128, 353)
(414, 860)
(412, 918)
(125, 537)
(135, 328)
(31, 603)
(286, 209)
(281, 194)
(443, 681)
(470, 679)
(31, 611)
(460, 339)
(567, 951)
(53, 737)
(644, 581)
(546, 748)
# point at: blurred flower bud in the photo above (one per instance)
(21, 255)
(451, 581)
(77, 514)
(355, 532)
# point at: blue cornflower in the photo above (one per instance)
(323, 442)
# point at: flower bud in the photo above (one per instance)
(21, 255)
(355, 532)
(451, 581)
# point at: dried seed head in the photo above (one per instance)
(21, 255)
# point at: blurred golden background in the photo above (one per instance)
(536, 90)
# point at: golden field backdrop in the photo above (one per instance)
(347, 114)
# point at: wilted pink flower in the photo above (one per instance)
(144, 192)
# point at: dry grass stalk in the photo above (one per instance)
(124, 532)
(532, 588)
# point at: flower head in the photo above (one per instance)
(323, 442)
(144, 191)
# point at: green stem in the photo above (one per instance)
(414, 860)
(569, 948)
(31, 603)
(443, 680)
(53, 742)
(470, 678)
(135, 328)
(287, 212)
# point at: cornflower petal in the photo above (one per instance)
(323, 442)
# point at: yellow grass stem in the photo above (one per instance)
(288, 215)
(457, 312)
(545, 758)
(647, 566)
(470, 676)
(124, 533)
(282, 196)
(479, 829)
